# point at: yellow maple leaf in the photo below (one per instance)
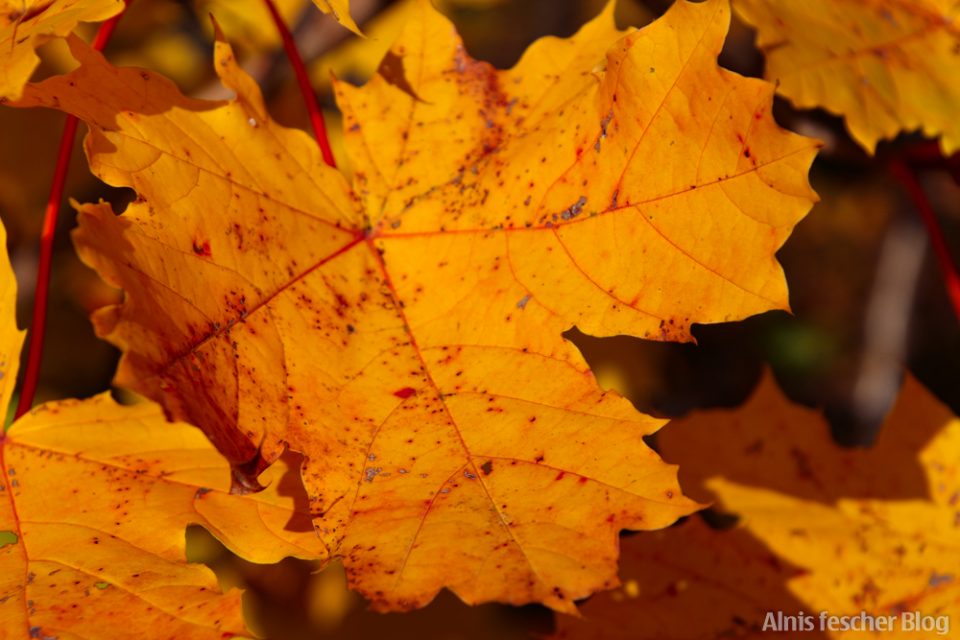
(886, 66)
(26, 24)
(94, 501)
(358, 58)
(405, 333)
(875, 531)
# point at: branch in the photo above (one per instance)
(38, 323)
(908, 179)
(309, 97)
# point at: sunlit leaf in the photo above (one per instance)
(26, 24)
(885, 66)
(405, 333)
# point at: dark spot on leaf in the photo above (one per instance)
(202, 248)
(391, 70)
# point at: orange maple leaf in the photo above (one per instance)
(24, 26)
(885, 66)
(94, 501)
(813, 527)
(689, 582)
(848, 530)
(404, 333)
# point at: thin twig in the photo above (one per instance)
(902, 172)
(309, 97)
(41, 290)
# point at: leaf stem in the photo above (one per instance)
(38, 323)
(908, 179)
(309, 97)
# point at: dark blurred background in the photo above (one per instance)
(868, 300)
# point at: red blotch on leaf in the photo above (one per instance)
(404, 393)
(202, 248)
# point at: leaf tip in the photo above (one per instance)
(217, 30)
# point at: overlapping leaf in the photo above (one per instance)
(93, 507)
(405, 334)
(26, 24)
(818, 528)
(886, 66)
(846, 530)
(94, 501)
(689, 582)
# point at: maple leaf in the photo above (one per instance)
(405, 334)
(25, 25)
(688, 582)
(94, 501)
(886, 67)
(787, 448)
(872, 530)
(818, 528)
